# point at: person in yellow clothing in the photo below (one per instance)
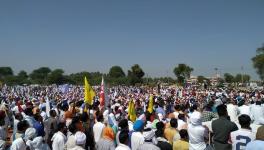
(171, 133)
(182, 144)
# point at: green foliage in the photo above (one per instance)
(229, 78)
(5, 72)
(242, 78)
(258, 62)
(22, 78)
(182, 72)
(116, 72)
(56, 77)
(135, 74)
(40, 75)
(201, 79)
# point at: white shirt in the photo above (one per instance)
(196, 137)
(181, 123)
(244, 109)
(137, 139)
(257, 114)
(241, 138)
(58, 141)
(122, 147)
(18, 144)
(232, 111)
(97, 130)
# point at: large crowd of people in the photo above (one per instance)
(195, 118)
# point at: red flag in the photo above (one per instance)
(102, 94)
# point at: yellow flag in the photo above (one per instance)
(150, 104)
(88, 92)
(132, 111)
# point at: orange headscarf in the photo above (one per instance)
(108, 133)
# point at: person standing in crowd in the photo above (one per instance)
(123, 140)
(71, 141)
(28, 116)
(80, 140)
(232, 110)
(207, 114)
(182, 124)
(23, 143)
(88, 130)
(183, 143)
(149, 136)
(222, 127)
(137, 137)
(257, 144)
(59, 138)
(177, 109)
(98, 127)
(17, 118)
(123, 125)
(171, 131)
(163, 144)
(106, 142)
(243, 136)
(197, 132)
(50, 125)
(243, 108)
(257, 112)
(38, 144)
(38, 125)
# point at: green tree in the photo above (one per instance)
(137, 71)
(116, 72)
(229, 78)
(22, 77)
(201, 79)
(40, 75)
(56, 77)
(182, 72)
(246, 78)
(135, 74)
(5, 71)
(238, 78)
(258, 62)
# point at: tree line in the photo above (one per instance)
(115, 76)
(46, 76)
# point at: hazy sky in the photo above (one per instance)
(83, 35)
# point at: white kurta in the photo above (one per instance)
(97, 130)
(58, 141)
